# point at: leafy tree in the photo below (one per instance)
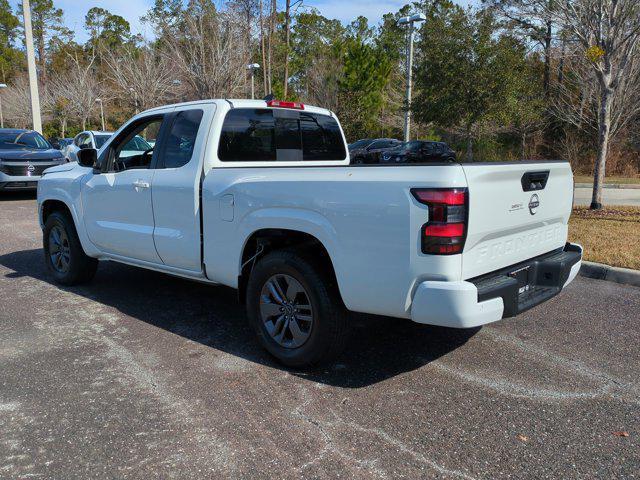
(106, 29)
(48, 24)
(10, 58)
(392, 39)
(313, 38)
(364, 76)
(517, 17)
(466, 74)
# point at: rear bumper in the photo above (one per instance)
(491, 297)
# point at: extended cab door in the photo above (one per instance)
(176, 187)
(118, 211)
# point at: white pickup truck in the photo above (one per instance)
(260, 196)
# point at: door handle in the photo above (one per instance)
(141, 184)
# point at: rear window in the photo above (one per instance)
(266, 135)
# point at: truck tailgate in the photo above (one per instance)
(516, 211)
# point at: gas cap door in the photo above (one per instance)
(226, 207)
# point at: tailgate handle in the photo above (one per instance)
(532, 181)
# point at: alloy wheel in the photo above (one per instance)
(286, 311)
(59, 249)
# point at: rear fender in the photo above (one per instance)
(300, 220)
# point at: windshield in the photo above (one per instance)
(100, 139)
(23, 140)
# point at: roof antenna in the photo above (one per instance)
(269, 97)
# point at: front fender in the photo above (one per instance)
(66, 187)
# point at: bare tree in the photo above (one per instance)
(262, 48)
(57, 101)
(608, 33)
(248, 11)
(322, 81)
(210, 56)
(142, 75)
(16, 103)
(273, 13)
(83, 88)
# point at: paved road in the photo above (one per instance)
(140, 375)
(612, 196)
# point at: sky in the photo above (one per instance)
(132, 10)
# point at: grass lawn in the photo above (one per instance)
(610, 235)
(589, 179)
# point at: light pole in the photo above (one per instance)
(410, 21)
(99, 100)
(2, 85)
(31, 65)
(252, 71)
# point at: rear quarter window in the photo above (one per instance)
(259, 135)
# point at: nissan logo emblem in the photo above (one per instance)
(534, 203)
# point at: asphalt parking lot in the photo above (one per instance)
(140, 375)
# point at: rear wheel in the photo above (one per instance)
(294, 306)
(64, 256)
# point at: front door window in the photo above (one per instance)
(134, 149)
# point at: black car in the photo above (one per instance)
(360, 143)
(420, 151)
(24, 155)
(372, 151)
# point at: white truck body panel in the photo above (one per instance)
(365, 217)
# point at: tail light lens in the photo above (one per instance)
(446, 230)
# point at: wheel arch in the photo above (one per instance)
(265, 240)
(55, 204)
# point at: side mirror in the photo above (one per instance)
(88, 157)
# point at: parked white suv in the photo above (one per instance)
(260, 196)
(86, 139)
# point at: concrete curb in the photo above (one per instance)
(625, 186)
(600, 271)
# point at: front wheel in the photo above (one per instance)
(294, 306)
(64, 256)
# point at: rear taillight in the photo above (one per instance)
(446, 230)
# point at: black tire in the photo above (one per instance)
(79, 268)
(328, 333)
